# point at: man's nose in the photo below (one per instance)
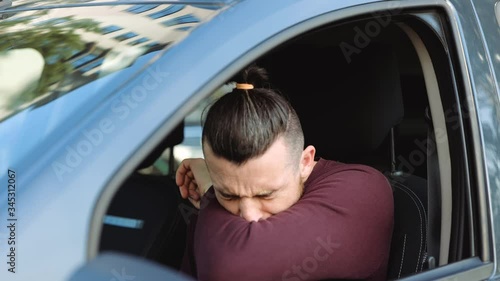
(250, 209)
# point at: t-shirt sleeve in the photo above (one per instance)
(340, 228)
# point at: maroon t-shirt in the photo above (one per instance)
(340, 228)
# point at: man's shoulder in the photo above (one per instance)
(346, 173)
(357, 187)
(332, 167)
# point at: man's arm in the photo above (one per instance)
(340, 228)
(193, 179)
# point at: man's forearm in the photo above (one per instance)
(320, 231)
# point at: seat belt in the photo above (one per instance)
(434, 195)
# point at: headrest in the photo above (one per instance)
(346, 108)
(175, 137)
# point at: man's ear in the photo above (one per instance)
(307, 161)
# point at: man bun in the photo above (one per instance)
(253, 75)
(243, 124)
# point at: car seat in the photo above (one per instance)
(143, 218)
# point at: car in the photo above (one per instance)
(101, 100)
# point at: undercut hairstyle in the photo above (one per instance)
(243, 124)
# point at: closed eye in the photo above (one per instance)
(265, 196)
(228, 197)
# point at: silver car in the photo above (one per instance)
(100, 100)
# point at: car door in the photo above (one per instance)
(444, 35)
(61, 109)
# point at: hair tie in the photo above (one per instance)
(244, 86)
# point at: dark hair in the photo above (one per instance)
(243, 124)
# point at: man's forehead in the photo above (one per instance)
(257, 175)
(242, 184)
(229, 181)
(251, 168)
(245, 191)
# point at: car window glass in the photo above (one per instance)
(45, 54)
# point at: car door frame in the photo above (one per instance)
(238, 51)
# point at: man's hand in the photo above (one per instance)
(193, 179)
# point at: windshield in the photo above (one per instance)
(47, 53)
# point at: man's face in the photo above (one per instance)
(261, 187)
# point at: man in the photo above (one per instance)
(271, 210)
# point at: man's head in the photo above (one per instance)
(254, 150)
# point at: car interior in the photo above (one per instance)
(371, 105)
(154, 228)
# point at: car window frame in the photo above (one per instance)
(478, 267)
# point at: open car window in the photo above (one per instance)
(385, 89)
